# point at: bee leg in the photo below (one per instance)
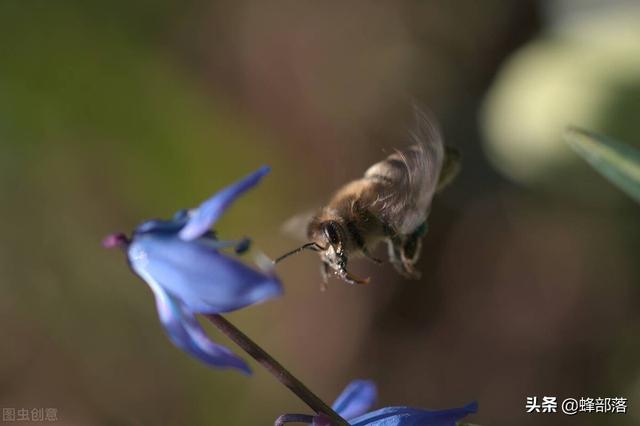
(324, 273)
(411, 248)
(395, 244)
(368, 255)
(410, 254)
(403, 254)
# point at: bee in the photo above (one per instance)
(390, 203)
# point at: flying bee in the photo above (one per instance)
(390, 203)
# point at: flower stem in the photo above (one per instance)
(276, 369)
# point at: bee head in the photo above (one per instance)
(328, 238)
(331, 237)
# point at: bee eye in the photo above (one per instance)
(330, 230)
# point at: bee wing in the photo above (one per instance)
(408, 178)
(296, 226)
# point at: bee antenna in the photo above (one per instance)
(307, 246)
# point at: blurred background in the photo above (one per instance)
(115, 112)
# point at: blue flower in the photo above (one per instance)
(360, 395)
(181, 261)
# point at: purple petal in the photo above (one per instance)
(405, 416)
(195, 272)
(239, 246)
(356, 399)
(209, 211)
(158, 225)
(186, 333)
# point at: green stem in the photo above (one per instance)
(276, 369)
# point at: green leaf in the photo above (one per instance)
(618, 162)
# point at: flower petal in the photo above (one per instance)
(201, 277)
(405, 416)
(238, 246)
(186, 333)
(209, 211)
(159, 225)
(356, 399)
